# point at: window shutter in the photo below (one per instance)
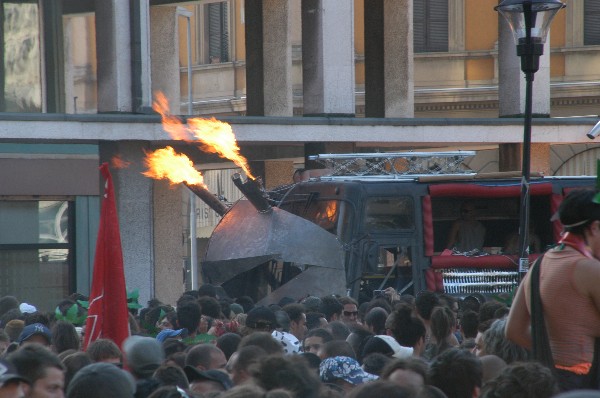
(214, 31)
(437, 26)
(430, 25)
(419, 35)
(591, 26)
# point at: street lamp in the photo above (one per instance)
(529, 21)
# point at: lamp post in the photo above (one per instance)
(529, 22)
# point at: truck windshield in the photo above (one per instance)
(389, 213)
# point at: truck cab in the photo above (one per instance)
(390, 230)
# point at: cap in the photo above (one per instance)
(344, 368)
(35, 329)
(236, 308)
(168, 333)
(193, 373)
(143, 355)
(9, 373)
(261, 318)
(27, 308)
(399, 351)
(99, 380)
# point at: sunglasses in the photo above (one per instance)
(350, 313)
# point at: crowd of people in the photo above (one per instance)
(205, 345)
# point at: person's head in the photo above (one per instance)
(188, 316)
(472, 302)
(331, 308)
(261, 319)
(387, 345)
(314, 339)
(246, 302)
(579, 211)
(297, 315)
(207, 290)
(375, 362)
(339, 330)
(8, 303)
(143, 355)
(349, 310)
(64, 337)
(381, 388)
(496, 343)
(210, 307)
(35, 333)
(290, 372)
(14, 328)
(491, 366)
(407, 372)
(522, 380)
(171, 375)
(357, 340)
(73, 363)
(311, 303)
(425, 302)
(105, 350)
(263, 340)
(468, 324)
(283, 320)
(442, 324)
(228, 343)
(205, 356)
(407, 329)
(488, 310)
(42, 368)
(315, 320)
(335, 348)
(468, 210)
(12, 384)
(375, 320)
(457, 373)
(101, 380)
(344, 372)
(206, 381)
(240, 363)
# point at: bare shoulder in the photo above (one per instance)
(587, 276)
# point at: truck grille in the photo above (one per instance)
(477, 280)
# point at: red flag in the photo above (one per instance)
(107, 312)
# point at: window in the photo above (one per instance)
(213, 32)
(591, 28)
(36, 251)
(430, 26)
(20, 72)
(388, 214)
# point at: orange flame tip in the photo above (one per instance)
(166, 164)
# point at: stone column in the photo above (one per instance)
(328, 57)
(277, 58)
(165, 54)
(133, 193)
(113, 49)
(169, 247)
(389, 64)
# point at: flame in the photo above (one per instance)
(331, 209)
(166, 164)
(213, 135)
(217, 137)
(119, 163)
(171, 124)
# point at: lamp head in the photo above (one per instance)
(529, 18)
(594, 132)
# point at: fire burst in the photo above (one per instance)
(213, 135)
(177, 168)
